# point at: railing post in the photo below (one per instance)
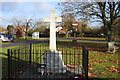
(8, 51)
(85, 62)
(30, 57)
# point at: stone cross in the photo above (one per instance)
(53, 19)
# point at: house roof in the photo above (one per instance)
(62, 31)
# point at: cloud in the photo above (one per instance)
(45, 6)
(42, 7)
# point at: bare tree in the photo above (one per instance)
(28, 23)
(16, 22)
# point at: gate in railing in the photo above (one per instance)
(24, 62)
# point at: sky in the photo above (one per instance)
(36, 10)
(40, 9)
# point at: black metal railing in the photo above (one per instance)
(24, 61)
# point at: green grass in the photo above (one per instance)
(24, 52)
(99, 62)
(4, 60)
(4, 50)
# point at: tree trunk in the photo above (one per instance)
(109, 37)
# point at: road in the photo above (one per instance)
(46, 39)
(21, 43)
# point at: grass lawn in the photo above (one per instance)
(4, 60)
(101, 64)
(104, 65)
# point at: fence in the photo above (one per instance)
(24, 61)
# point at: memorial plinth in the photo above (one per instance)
(53, 62)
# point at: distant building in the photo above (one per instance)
(20, 31)
(78, 26)
(74, 29)
(62, 32)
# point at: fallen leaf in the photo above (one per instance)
(80, 61)
(92, 76)
(109, 70)
(71, 66)
(103, 73)
(90, 68)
